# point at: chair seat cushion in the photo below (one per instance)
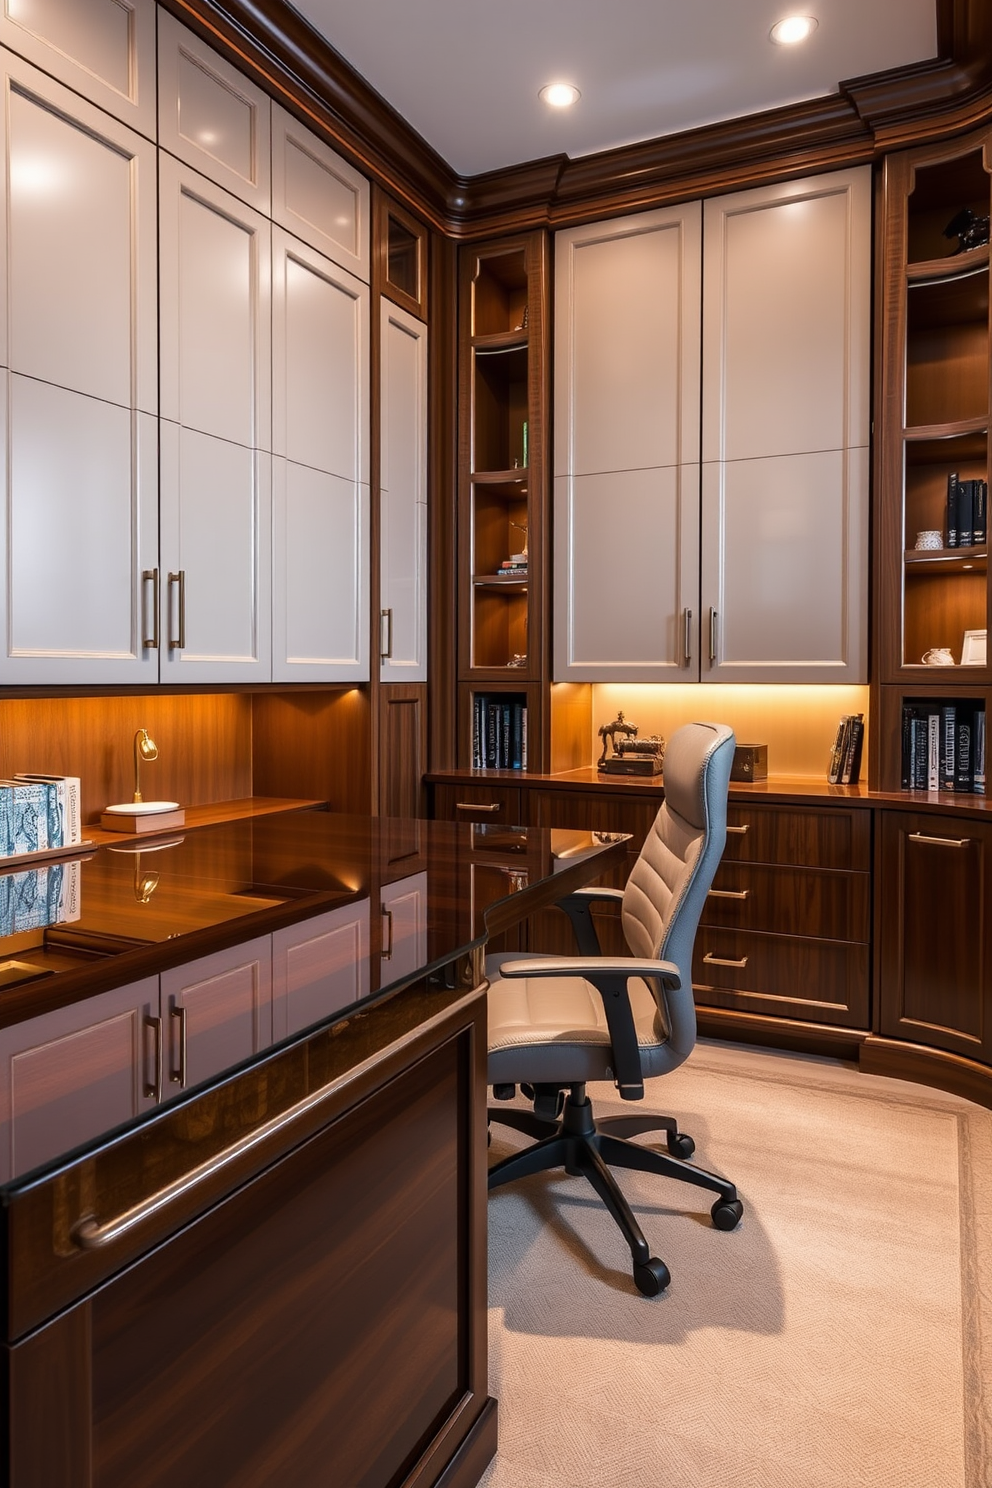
(547, 1029)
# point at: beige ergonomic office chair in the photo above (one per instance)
(556, 1022)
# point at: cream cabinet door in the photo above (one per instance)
(626, 380)
(68, 1076)
(78, 334)
(403, 496)
(104, 49)
(320, 608)
(215, 1012)
(216, 478)
(786, 409)
(403, 906)
(319, 967)
(211, 116)
(317, 196)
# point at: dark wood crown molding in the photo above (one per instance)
(867, 117)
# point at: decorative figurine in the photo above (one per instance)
(970, 230)
(632, 756)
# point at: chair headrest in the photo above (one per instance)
(689, 761)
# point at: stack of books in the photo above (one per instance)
(967, 512)
(513, 568)
(499, 733)
(845, 757)
(943, 747)
(39, 813)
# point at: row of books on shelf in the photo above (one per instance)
(39, 897)
(39, 813)
(499, 733)
(967, 512)
(845, 756)
(943, 747)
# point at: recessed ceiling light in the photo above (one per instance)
(792, 29)
(560, 95)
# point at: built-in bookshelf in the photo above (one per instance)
(499, 731)
(943, 745)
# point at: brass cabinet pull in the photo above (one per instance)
(939, 841)
(729, 893)
(154, 1087)
(710, 960)
(150, 576)
(178, 1076)
(89, 1234)
(180, 579)
(687, 637)
(714, 618)
(387, 948)
(479, 806)
(385, 634)
(739, 831)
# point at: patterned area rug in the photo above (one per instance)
(840, 1338)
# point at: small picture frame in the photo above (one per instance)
(974, 648)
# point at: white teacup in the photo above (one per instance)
(929, 539)
(938, 656)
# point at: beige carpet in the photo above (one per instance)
(841, 1337)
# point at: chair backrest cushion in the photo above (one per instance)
(668, 884)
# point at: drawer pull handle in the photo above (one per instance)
(150, 576)
(687, 637)
(178, 1075)
(739, 831)
(89, 1234)
(478, 806)
(179, 643)
(710, 960)
(729, 893)
(387, 933)
(939, 841)
(153, 1087)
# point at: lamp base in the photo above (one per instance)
(143, 816)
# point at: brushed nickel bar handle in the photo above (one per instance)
(729, 893)
(939, 841)
(478, 806)
(687, 637)
(385, 629)
(154, 1089)
(710, 960)
(387, 950)
(178, 1076)
(150, 576)
(180, 579)
(89, 1234)
(739, 831)
(714, 618)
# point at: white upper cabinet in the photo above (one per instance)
(786, 409)
(403, 496)
(321, 469)
(627, 448)
(78, 312)
(317, 196)
(215, 432)
(215, 309)
(104, 49)
(211, 116)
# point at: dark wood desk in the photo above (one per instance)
(276, 1274)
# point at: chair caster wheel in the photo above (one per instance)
(680, 1144)
(727, 1213)
(651, 1276)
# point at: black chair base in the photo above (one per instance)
(576, 1143)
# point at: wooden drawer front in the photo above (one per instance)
(594, 813)
(809, 839)
(789, 901)
(782, 976)
(482, 803)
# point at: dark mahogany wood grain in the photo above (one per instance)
(831, 838)
(786, 900)
(821, 981)
(402, 748)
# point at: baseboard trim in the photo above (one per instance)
(934, 1067)
(476, 1451)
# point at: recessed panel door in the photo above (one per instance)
(215, 1012)
(403, 497)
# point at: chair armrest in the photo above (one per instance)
(591, 967)
(577, 906)
(609, 977)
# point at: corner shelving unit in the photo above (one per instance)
(502, 641)
(933, 328)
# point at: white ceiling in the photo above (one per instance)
(466, 73)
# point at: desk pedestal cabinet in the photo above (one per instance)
(313, 1312)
